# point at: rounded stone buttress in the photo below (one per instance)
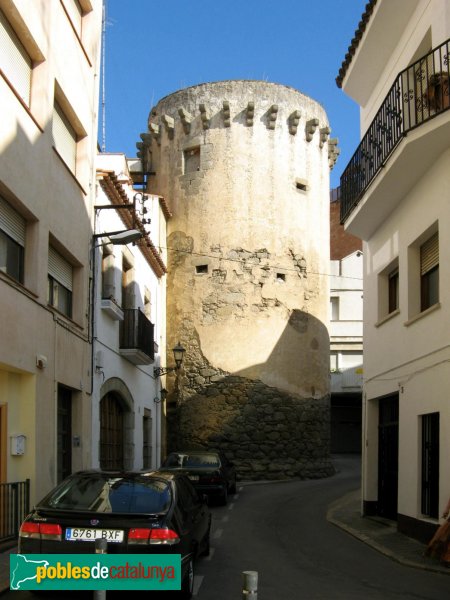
(244, 167)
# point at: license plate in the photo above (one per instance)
(194, 477)
(90, 535)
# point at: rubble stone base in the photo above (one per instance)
(267, 433)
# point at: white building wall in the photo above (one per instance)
(144, 389)
(407, 352)
(56, 202)
(346, 332)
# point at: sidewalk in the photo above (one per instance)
(380, 534)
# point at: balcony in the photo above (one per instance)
(419, 94)
(136, 337)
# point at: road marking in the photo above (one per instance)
(231, 506)
(225, 518)
(218, 534)
(198, 580)
(240, 489)
(211, 554)
(236, 497)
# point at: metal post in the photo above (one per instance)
(101, 547)
(250, 585)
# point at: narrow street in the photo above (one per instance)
(281, 531)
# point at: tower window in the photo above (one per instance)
(199, 269)
(192, 160)
(281, 277)
(302, 185)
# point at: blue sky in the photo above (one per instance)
(156, 47)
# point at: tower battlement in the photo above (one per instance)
(280, 110)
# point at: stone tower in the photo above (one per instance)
(244, 167)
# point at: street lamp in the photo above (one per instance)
(178, 355)
(122, 237)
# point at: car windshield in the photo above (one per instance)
(110, 494)
(185, 460)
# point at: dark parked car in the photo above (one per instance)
(210, 471)
(137, 512)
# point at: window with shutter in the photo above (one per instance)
(12, 241)
(108, 271)
(64, 137)
(393, 297)
(60, 278)
(75, 13)
(429, 272)
(15, 62)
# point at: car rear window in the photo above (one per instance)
(105, 494)
(192, 460)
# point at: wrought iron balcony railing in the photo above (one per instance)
(418, 94)
(136, 337)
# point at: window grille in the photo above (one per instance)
(430, 465)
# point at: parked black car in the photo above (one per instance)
(137, 512)
(210, 471)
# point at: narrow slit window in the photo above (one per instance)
(301, 185)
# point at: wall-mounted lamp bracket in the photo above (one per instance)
(178, 354)
(160, 371)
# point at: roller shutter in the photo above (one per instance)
(59, 268)
(15, 62)
(429, 254)
(12, 223)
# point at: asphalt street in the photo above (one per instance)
(280, 530)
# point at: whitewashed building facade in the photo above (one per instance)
(395, 196)
(49, 68)
(128, 321)
(346, 352)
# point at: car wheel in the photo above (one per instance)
(187, 585)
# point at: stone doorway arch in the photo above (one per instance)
(116, 409)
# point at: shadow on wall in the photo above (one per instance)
(263, 425)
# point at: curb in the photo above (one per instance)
(353, 497)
